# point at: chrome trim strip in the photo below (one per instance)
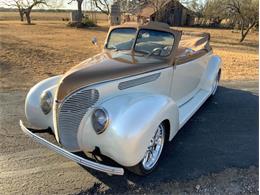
(71, 156)
(138, 81)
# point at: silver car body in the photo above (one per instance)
(136, 105)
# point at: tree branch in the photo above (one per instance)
(100, 8)
(247, 30)
(71, 1)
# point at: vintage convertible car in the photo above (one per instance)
(128, 101)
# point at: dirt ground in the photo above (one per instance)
(29, 54)
(49, 48)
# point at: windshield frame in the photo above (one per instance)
(152, 26)
(109, 35)
(158, 30)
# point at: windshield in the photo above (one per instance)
(121, 39)
(154, 42)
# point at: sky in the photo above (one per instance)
(63, 4)
(56, 4)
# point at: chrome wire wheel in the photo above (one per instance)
(154, 149)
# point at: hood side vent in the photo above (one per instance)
(139, 81)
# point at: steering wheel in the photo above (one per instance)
(158, 49)
(166, 51)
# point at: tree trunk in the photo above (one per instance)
(242, 31)
(28, 16)
(21, 12)
(243, 35)
(80, 11)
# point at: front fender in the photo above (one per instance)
(33, 110)
(134, 119)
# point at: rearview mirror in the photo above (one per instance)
(94, 41)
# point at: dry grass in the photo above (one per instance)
(240, 60)
(35, 15)
(43, 16)
(32, 53)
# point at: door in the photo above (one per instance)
(186, 79)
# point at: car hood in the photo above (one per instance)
(104, 67)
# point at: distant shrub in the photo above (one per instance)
(86, 22)
(65, 19)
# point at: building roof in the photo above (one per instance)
(149, 9)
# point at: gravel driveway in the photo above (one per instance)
(215, 152)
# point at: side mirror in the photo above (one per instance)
(189, 51)
(94, 41)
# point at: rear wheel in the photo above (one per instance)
(152, 154)
(215, 84)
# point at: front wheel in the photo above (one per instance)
(152, 154)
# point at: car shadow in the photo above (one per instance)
(222, 134)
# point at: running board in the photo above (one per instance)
(187, 110)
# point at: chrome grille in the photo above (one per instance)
(70, 114)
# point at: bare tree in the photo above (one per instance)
(28, 8)
(80, 14)
(247, 12)
(25, 7)
(244, 12)
(215, 10)
(126, 6)
(21, 11)
(102, 5)
(18, 5)
(129, 6)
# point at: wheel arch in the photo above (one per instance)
(133, 120)
(213, 68)
(33, 110)
(167, 125)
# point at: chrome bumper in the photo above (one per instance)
(71, 156)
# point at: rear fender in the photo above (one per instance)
(211, 73)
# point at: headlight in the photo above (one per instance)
(46, 102)
(100, 120)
